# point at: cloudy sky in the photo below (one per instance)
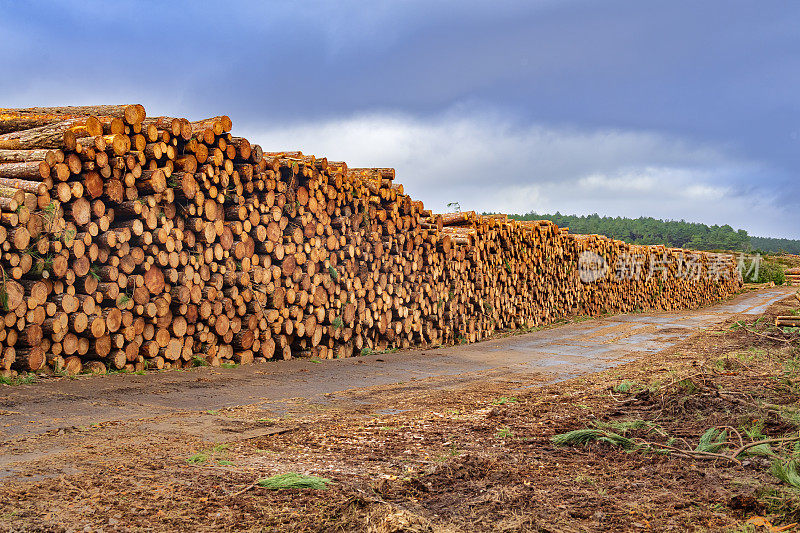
(672, 109)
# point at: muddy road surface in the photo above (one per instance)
(175, 398)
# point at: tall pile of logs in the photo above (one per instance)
(132, 242)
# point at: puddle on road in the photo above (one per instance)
(391, 411)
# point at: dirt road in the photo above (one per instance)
(288, 387)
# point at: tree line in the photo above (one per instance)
(767, 244)
(676, 233)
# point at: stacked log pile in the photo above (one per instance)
(792, 276)
(132, 242)
(788, 321)
(653, 277)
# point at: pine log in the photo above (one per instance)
(57, 135)
(133, 113)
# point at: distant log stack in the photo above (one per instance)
(789, 321)
(132, 242)
(792, 276)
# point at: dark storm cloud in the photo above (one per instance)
(714, 83)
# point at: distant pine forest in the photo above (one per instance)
(677, 233)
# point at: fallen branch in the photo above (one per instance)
(601, 435)
(766, 336)
(248, 487)
(765, 441)
(734, 430)
(694, 454)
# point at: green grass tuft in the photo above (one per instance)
(23, 379)
(787, 473)
(755, 432)
(624, 387)
(622, 427)
(588, 435)
(502, 400)
(197, 459)
(292, 480)
(688, 386)
(199, 361)
(504, 433)
(712, 441)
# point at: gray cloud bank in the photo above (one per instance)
(487, 162)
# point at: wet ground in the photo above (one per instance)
(177, 398)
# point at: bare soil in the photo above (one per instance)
(472, 456)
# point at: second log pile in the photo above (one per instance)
(789, 321)
(133, 242)
(792, 276)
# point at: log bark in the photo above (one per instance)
(62, 134)
(132, 113)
